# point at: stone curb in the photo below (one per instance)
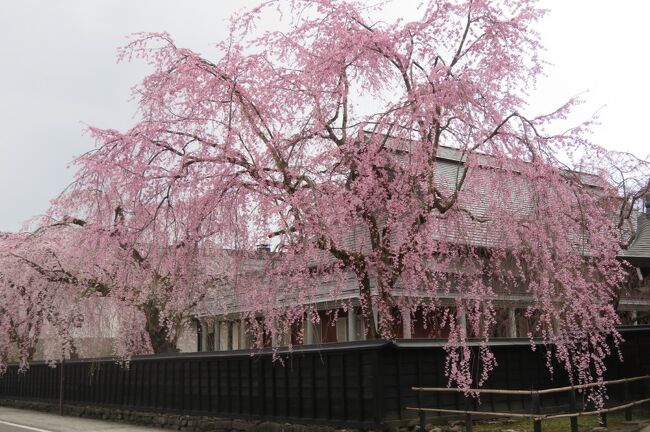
(189, 423)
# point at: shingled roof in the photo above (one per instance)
(477, 231)
(638, 254)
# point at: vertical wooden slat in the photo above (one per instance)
(361, 416)
(300, 372)
(188, 370)
(377, 374)
(251, 407)
(328, 384)
(262, 386)
(151, 388)
(240, 387)
(182, 398)
(274, 388)
(398, 383)
(198, 372)
(208, 374)
(287, 409)
(507, 375)
(219, 392)
(61, 386)
(134, 372)
(229, 385)
(345, 384)
(314, 390)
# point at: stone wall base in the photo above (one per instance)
(189, 423)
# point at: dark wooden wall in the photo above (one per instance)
(350, 383)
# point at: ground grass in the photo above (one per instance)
(615, 422)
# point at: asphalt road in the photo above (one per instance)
(16, 420)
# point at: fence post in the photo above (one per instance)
(573, 405)
(603, 419)
(537, 424)
(468, 416)
(421, 415)
(626, 397)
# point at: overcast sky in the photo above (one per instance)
(58, 73)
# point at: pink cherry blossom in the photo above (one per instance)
(396, 161)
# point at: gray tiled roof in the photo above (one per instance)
(478, 233)
(638, 253)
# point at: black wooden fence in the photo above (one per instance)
(354, 383)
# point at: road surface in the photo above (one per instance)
(17, 420)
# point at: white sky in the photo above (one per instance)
(58, 73)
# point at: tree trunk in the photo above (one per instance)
(367, 306)
(158, 334)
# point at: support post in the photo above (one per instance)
(285, 337)
(242, 334)
(204, 335)
(375, 314)
(406, 322)
(512, 322)
(361, 325)
(217, 335)
(352, 324)
(309, 331)
(462, 319)
(275, 335)
(228, 334)
(223, 336)
(234, 330)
